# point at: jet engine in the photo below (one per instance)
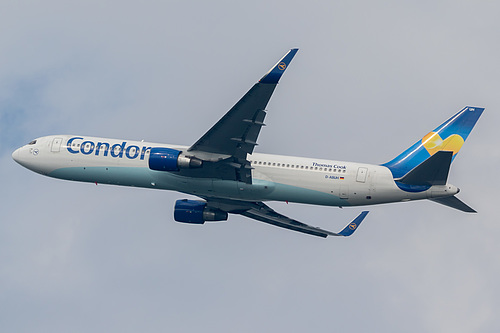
(167, 159)
(196, 212)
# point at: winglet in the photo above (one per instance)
(351, 227)
(274, 75)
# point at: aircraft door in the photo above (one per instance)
(56, 145)
(361, 176)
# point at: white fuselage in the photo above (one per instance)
(274, 177)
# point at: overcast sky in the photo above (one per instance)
(370, 79)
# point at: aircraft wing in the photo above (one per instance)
(261, 212)
(235, 134)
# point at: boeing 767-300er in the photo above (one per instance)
(222, 169)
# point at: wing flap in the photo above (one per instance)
(265, 214)
(271, 217)
(261, 212)
(237, 131)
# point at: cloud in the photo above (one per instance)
(85, 258)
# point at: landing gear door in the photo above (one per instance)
(56, 145)
(344, 192)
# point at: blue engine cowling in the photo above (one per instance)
(167, 159)
(197, 212)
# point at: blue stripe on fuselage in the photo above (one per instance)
(118, 150)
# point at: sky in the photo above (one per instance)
(370, 79)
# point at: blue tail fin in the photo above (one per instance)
(449, 136)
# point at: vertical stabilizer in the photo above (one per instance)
(449, 136)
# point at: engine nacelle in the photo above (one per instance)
(197, 212)
(167, 159)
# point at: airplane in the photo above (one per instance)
(222, 169)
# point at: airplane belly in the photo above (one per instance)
(228, 189)
(302, 187)
(125, 176)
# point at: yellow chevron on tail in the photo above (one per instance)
(434, 143)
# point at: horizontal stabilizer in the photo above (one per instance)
(454, 202)
(432, 171)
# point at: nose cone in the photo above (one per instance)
(23, 157)
(34, 157)
(15, 155)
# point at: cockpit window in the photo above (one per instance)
(32, 142)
